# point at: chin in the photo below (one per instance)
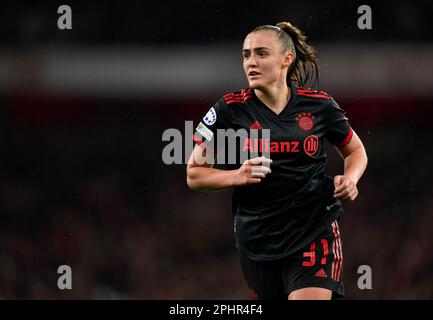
(255, 84)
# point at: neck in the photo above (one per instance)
(275, 97)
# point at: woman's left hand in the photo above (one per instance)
(345, 188)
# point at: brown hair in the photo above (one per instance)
(305, 63)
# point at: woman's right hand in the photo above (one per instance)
(252, 171)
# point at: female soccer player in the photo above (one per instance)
(285, 208)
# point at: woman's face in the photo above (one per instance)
(263, 60)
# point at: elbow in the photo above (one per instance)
(195, 179)
(190, 183)
(365, 156)
(193, 185)
(190, 180)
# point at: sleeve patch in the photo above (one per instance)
(210, 117)
(204, 131)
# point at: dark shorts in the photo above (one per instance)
(319, 264)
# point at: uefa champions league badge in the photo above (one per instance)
(210, 117)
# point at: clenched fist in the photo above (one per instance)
(252, 171)
(345, 188)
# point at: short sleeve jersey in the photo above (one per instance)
(292, 205)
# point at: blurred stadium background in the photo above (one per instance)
(82, 114)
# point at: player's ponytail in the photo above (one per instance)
(304, 67)
(305, 64)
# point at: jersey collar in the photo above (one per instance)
(286, 109)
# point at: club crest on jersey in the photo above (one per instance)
(305, 121)
(210, 117)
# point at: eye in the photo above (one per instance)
(263, 53)
(246, 55)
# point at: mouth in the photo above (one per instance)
(253, 73)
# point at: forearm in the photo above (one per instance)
(355, 164)
(210, 179)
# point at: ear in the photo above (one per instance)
(288, 59)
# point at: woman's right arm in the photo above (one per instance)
(201, 176)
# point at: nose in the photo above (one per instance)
(253, 61)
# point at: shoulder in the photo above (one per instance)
(238, 96)
(313, 94)
(230, 101)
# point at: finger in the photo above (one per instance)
(258, 174)
(260, 169)
(340, 189)
(260, 160)
(255, 161)
(344, 185)
(341, 184)
(351, 195)
(266, 162)
(346, 198)
(254, 180)
(337, 181)
(344, 188)
(343, 193)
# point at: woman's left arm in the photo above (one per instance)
(355, 162)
